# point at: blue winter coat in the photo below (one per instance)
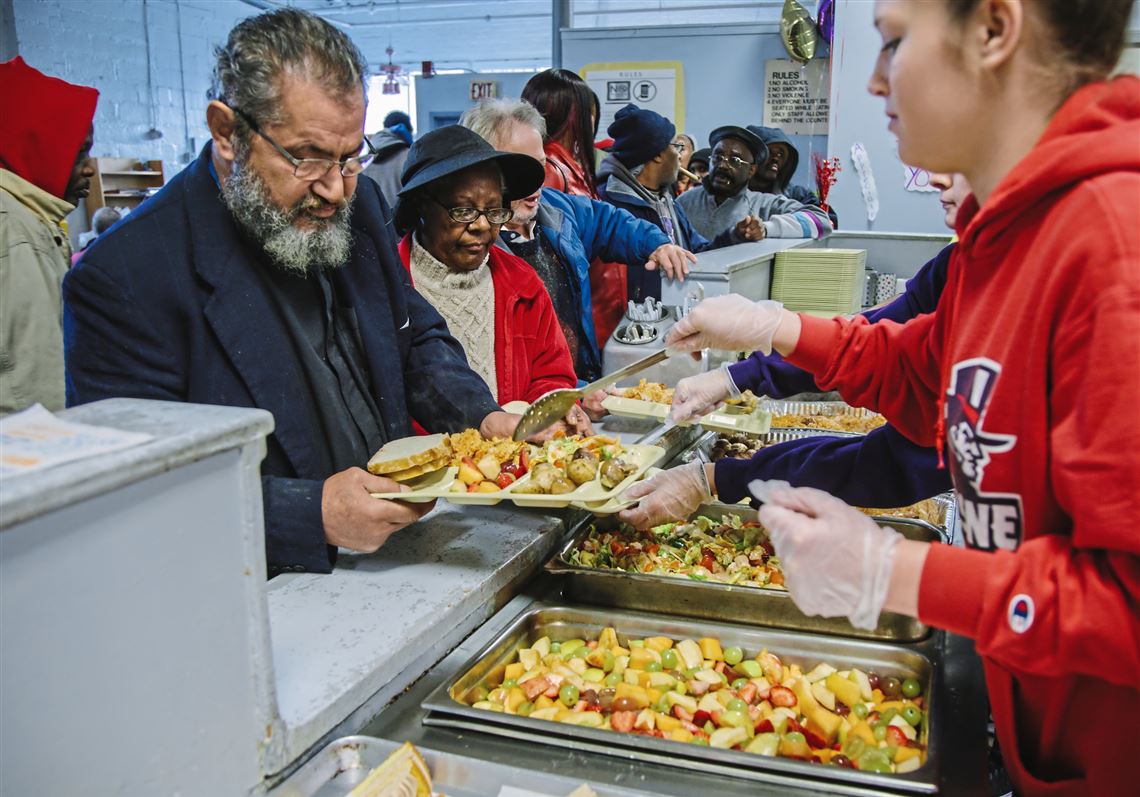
(880, 469)
(582, 229)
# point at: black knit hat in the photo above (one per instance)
(639, 135)
(754, 143)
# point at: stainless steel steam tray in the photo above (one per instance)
(709, 600)
(446, 708)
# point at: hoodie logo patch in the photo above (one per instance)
(990, 520)
(1020, 614)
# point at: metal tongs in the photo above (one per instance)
(551, 408)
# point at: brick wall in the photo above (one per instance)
(101, 43)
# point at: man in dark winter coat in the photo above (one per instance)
(391, 145)
(637, 176)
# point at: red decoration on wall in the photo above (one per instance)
(826, 174)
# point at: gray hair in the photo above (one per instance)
(492, 119)
(260, 49)
(104, 218)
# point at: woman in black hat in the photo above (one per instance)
(456, 195)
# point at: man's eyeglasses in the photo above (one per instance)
(469, 215)
(313, 169)
(679, 146)
(729, 160)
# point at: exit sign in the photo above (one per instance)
(484, 89)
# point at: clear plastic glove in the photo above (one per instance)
(730, 322)
(670, 495)
(837, 561)
(696, 395)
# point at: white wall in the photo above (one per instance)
(724, 73)
(452, 93)
(857, 116)
(101, 43)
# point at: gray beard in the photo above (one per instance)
(300, 251)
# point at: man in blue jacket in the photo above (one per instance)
(560, 234)
(266, 275)
(638, 176)
(880, 469)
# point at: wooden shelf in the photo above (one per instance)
(117, 181)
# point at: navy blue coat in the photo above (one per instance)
(168, 305)
(880, 469)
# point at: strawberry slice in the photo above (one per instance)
(765, 726)
(782, 696)
(896, 736)
(622, 721)
(701, 717)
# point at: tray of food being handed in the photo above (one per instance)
(653, 400)
(464, 468)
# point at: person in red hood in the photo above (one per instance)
(1025, 377)
(45, 169)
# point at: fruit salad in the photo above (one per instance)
(726, 551)
(699, 692)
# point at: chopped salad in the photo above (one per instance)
(726, 551)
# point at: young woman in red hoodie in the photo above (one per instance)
(1026, 378)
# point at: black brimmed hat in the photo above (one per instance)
(452, 149)
(754, 143)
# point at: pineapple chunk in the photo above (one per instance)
(658, 643)
(514, 670)
(681, 735)
(710, 649)
(725, 738)
(666, 724)
(690, 653)
(607, 639)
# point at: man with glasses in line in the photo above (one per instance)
(266, 275)
(638, 175)
(724, 199)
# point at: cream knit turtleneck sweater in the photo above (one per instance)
(466, 300)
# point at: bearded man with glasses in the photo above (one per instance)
(723, 199)
(266, 275)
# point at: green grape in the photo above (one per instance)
(510, 683)
(736, 704)
(911, 688)
(860, 710)
(733, 656)
(751, 668)
(669, 659)
(568, 694)
(653, 666)
(912, 715)
(740, 683)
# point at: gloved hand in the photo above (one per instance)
(696, 395)
(670, 495)
(836, 560)
(730, 322)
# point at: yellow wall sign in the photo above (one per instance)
(656, 85)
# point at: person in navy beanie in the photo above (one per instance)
(638, 176)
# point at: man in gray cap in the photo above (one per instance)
(724, 199)
(638, 176)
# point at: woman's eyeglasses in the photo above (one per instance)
(469, 215)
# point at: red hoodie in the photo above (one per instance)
(1029, 375)
(47, 123)
(531, 353)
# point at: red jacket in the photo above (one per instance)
(1029, 375)
(531, 353)
(608, 281)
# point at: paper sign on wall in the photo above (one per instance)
(796, 98)
(916, 179)
(656, 85)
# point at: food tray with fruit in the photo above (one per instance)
(695, 590)
(576, 471)
(652, 400)
(706, 696)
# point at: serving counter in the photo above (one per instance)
(136, 617)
